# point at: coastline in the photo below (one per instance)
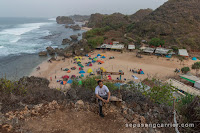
(151, 65)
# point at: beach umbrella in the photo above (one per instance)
(89, 70)
(82, 75)
(103, 57)
(69, 81)
(82, 71)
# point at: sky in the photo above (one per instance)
(53, 8)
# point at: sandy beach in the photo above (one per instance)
(152, 66)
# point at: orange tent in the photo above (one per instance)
(68, 71)
(98, 60)
(102, 62)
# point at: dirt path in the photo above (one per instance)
(69, 121)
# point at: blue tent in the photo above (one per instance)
(86, 55)
(82, 75)
(103, 57)
(95, 57)
(194, 58)
(69, 81)
(141, 72)
(88, 64)
(98, 55)
(169, 56)
(93, 61)
(82, 71)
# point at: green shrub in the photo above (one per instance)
(111, 86)
(74, 84)
(94, 42)
(90, 83)
(185, 70)
(156, 42)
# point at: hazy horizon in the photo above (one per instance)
(53, 8)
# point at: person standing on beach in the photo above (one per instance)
(103, 94)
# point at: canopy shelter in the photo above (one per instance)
(190, 78)
(183, 52)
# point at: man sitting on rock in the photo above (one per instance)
(103, 94)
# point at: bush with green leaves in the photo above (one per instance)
(94, 42)
(185, 70)
(156, 42)
(184, 101)
(196, 66)
(74, 83)
(90, 83)
(8, 87)
(111, 86)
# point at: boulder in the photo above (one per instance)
(64, 20)
(66, 26)
(43, 53)
(71, 94)
(74, 37)
(79, 103)
(75, 27)
(67, 55)
(65, 41)
(50, 50)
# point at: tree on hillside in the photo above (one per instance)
(185, 70)
(156, 42)
(196, 66)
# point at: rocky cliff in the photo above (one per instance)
(64, 20)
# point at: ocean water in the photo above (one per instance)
(22, 38)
